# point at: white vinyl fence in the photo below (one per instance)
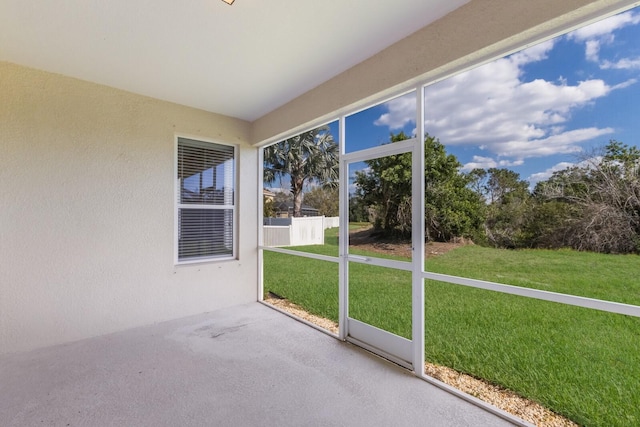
(277, 235)
(331, 222)
(296, 231)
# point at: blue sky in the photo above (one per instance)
(533, 112)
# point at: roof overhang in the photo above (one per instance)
(283, 65)
(241, 61)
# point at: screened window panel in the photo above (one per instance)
(206, 200)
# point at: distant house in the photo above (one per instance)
(268, 194)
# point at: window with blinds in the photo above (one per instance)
(205, 201)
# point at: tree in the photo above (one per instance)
(358, 210)
(326, 200)
(554, 210)
(504, 185)
(451, 208)
(386, 187)
(478, 181)
(282, 197)
(600, 200)
(311, 156)
(508, 208)
(268, 210)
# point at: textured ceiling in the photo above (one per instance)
(242, 60)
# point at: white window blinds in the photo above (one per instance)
(205, 200)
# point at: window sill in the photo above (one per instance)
(205, 260)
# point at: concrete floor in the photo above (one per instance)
(245, 366)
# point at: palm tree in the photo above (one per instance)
(311, 156)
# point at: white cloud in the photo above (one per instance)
(602, 33)
(622, 64)
(543, 176)
(488, 162)
(480, 162)
(592, 50)
(562, 143)
(402, 110)
(604, 29)
(492, 108)
(534, 53)
(504, 163)
(625, 84)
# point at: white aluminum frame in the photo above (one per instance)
(393, 347)
(417, 236)
(577, 301)
(319, 257)
(343, 245)
(260, 224)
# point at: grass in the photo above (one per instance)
(582, 363)
(382, 306)
(601, 276)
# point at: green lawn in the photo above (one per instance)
(582, 363)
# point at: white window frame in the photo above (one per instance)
(180, 206)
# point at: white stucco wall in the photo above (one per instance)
(87, 211)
